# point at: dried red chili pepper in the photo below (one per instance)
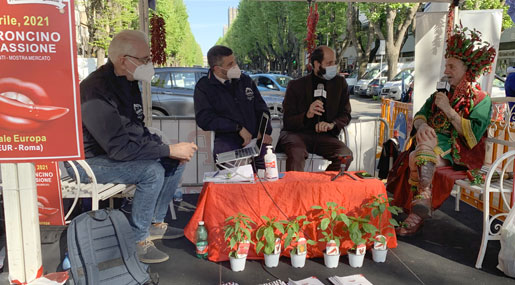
(158, 39)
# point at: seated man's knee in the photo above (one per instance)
(153, 171)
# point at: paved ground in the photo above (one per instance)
(365, 107)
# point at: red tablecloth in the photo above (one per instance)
(294, 195)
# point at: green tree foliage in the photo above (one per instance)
(106, 18)
(490, 4)
(269, 36)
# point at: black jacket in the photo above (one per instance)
(112, 118)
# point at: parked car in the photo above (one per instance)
(375, 86)
(361, 86)
(394, 88)
(276, 83)
(351, 81)
(172, 90)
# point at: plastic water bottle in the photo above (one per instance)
(66, 262)
(201, 241)
(271, 172)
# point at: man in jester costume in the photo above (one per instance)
(450, 128)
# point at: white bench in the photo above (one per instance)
(75, 189)
(494, 197)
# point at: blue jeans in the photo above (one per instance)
(155, 180)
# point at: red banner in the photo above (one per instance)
(50, 202)
(39, 84)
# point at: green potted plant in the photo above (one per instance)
(379, 205)
(269, 241)
(358, 229)
(295, 242)
(332, 215)
(238, 237)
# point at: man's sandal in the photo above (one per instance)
(410, 226)
(421, 206)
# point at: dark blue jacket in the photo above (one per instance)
(112, 118)
(221, 108)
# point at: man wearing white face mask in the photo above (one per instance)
(312, 124)
(229, 103)
(120, 149)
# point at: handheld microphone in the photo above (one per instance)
(443, 85)
(321, 95)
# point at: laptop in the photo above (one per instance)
(246, 152)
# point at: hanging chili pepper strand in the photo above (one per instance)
(158, 40)
(312, 26)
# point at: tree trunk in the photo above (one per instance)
(100, 57)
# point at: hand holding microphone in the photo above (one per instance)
(441, 98)
(317, 107)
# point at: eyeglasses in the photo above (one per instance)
(143, 60)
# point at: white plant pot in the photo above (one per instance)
(379, 255)
(356, 260)
(298, 261)
(331, 261)
(237, 264)
(272, 260)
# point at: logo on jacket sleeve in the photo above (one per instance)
(249, 93)
(138, 109)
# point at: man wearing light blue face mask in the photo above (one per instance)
(316, 108)
(119, 148)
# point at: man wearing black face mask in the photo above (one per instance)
(310, 125)
(229, 103)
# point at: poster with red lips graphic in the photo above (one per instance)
(39, 84)
(50, 202)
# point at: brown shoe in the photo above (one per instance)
(410, 226)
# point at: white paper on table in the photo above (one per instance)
(308, 281)
(245, 175)
(356, 279)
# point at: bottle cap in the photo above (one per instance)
(201, 223)
(269, 146)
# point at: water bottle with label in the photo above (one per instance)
(201, 241)
(271, 172)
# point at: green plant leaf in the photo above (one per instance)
(259, 246)
(331, 204)
(345, 219)
(279, 226)
(393, 222)
(265, 218)
(316, 207)
(324, 223)
(375, 212)
(382, 207)
(333, 215)
(247, 234)
(232, 243)
(287, 241)
(369, 228)
(300, 218)
(311, 242)
(354, 227)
